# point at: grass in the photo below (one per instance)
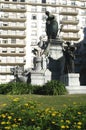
(58, 102)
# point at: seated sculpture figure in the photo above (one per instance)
(51, 26)
(69, 56)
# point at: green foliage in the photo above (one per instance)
(5, 88)
(27, 116)
(16, 88)
(54, 87)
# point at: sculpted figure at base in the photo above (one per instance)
(69, 56)
(51, 26)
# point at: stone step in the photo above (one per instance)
(76, 89)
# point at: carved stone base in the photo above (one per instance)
(70, 79)
(40, 77)
(72, 84)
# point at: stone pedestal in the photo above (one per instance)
(70, 79)
(55, 50)
(37, 77)
(40, 77)
(72, 83)
(56, 59)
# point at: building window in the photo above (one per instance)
(34, 42)
(43, 1)
(82, 4)
(73, 3)
(43, 17)
(53, 2)
(43, 9)
(14, 0)
(3, 77)
(4, 51)
(34, 17)
(34, 25)
(53, 10)
(13, 40)
(5, 24)
(6, 15)
(34, 8)
(22, 0)
(21, 51)
(64, 2)
(34, 33)
(5, 41)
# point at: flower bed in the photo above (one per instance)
(27, 116)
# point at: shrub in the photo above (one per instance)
(5, 88)
(54, 87)
(16, 88)
(20, 88)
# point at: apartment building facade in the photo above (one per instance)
(22, 22)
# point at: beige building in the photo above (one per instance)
(22, 22)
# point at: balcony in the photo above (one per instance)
(14, 35)
(12, 27)
(8, 19)
(13, 18)
(74, 30)
(12, 63)
(13, 54)
(75, 37)
(66, 21)
(10, 9)
(13, 45)
(68, 12)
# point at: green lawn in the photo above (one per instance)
(58, 102)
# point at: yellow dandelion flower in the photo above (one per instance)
(62, 120)
(64, 105)
(74, 103)
(12, 113)
(4, 104)
(3, 115)
(7, 128)
(19, 119)
(63, 127)
(67, 126)
(32, 120)
(79, 113)
(3, 122)
(26, 104)
(53, 122)
(14, 125)
(16, 99)
(59, 114)
(53, 114)
(47, 109)
(79, 127)
(9, 117)
(79, 123)
(68, 121)
(8, 122)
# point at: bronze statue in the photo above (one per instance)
(51, 26)
(69, 56)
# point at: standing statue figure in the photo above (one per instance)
(69, 56)
(51, 26)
